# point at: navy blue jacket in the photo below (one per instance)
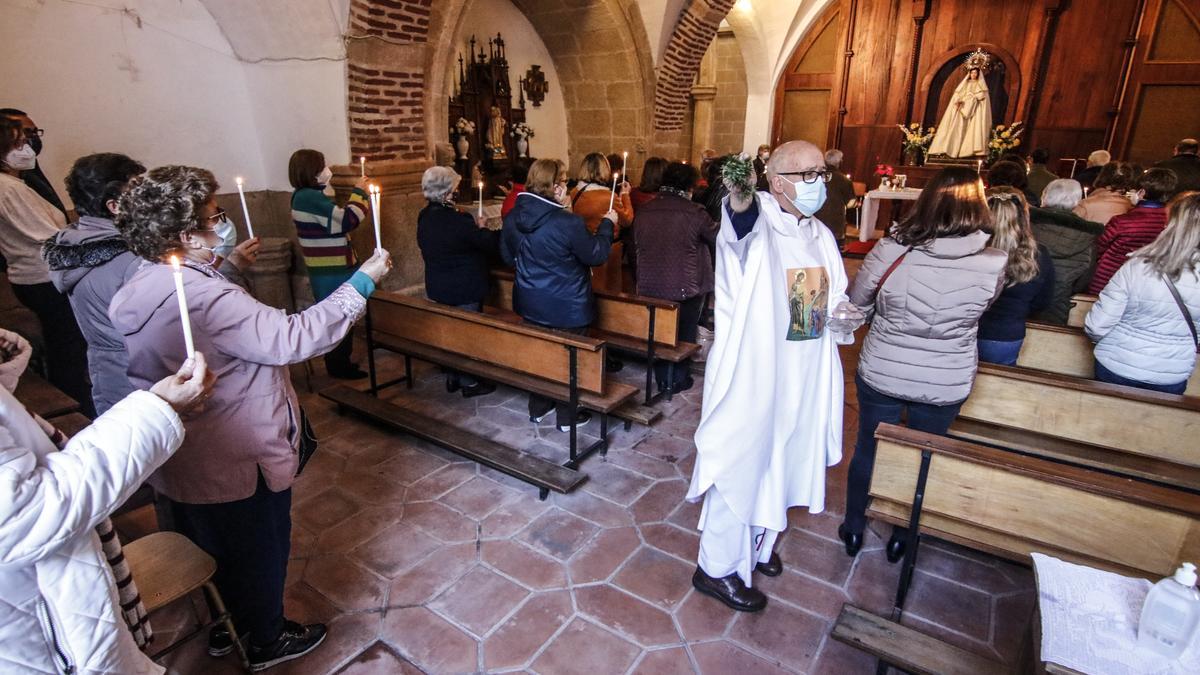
(1005, 319)
(456, 253)
(553, 254)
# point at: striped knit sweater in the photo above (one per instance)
(1124, 235)
(322, 227)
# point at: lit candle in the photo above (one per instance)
(376, 197)
(625, 162)
(245, 211)
(612, 195)
(362, 166)
(1085, 191)
(480, 199)
(183, 309)
(979, 166)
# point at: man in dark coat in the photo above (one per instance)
(1185, 164)
(839, 192)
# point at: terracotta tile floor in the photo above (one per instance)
(421, 562)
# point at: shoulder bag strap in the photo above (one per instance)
(1187, 316)
(890, 269)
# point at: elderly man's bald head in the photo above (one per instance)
(795, 156)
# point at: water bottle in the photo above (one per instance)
(1170, 614)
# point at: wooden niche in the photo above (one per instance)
(483, 84)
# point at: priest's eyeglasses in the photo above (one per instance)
(809, 176)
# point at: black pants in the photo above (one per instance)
(875, 407)
(337, 360)
(689, 321)
(66, 350)
(250, 540)
(540, 405)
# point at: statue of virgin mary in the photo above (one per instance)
(967, 123)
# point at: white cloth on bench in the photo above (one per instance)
(1090, 619)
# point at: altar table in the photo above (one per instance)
(870, 209)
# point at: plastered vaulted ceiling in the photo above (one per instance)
(282, 29)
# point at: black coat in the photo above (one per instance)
(1005, 319)
(553, 254)
(1187, 171)
(456, 254)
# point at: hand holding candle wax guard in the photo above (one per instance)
(245, 211)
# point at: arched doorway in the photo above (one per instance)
(806, 94)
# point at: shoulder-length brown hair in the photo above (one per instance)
(951, 205)
(1012, 234)
(595, 169)
(304, 167)
(544, 174)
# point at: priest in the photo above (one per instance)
(771, 420)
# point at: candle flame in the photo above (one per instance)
(175, 262)
(480, 185)
(238, 180)
(615, 174)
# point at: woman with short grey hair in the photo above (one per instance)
(457, 249)
(438, 183)
(1062, 193)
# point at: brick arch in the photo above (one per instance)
(694, 32)
(395, 83)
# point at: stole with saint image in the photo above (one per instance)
(808, 302)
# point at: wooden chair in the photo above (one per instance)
(167, 566)
(1117, 429)
(633, 324)
(1067, 350)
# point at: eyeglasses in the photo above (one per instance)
(30, 133)
(216, 217)
(809, 176)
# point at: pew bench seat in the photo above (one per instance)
(909, 649)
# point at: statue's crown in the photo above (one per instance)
(979, 59)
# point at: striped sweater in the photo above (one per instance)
(322, 227)
(1123, 235)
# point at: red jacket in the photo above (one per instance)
(1124, 235)
(510, 199)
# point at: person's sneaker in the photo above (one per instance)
(295, 641)
(219, 641)
(581, 419)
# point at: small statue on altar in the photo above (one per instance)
(967, 123)
(495, 133)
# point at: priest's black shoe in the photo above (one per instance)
(895, 547)
(478, 389)
(730, 590)
(771, 568)
(852, 540)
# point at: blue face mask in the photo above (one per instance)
(810, 197)
(228, 234)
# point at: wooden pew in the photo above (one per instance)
(1081, 304)
(635, 324)
(1011, 506)
(1126, 431)
(1067, 350)
(561, 366)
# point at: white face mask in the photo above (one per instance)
(764, 156)
(324, 176)
(22, 158)
(228, 234)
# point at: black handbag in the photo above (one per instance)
(308, 442)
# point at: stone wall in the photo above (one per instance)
(729, 105)
(693, 33)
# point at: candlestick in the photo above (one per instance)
(245, 211)
(362, 166)
(480, 199)
(183, 309)
(376, 199)
(613, 195)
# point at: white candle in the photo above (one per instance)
(183, 309)
(612, 195)
(245, 211)
(376, 198)
(1085, 191)
(480, 199)
(625, 162)
(362, 166)
(979, 166)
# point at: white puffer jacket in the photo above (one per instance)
(1140, 333)
(58, 601)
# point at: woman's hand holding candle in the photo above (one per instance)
(245, 254)
(377, 266)
(191, 385)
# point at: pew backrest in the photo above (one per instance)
(616, 313)
(525, 349)
(1135, 421)
(1081, 304)
(1067, 350)
(1012, 505)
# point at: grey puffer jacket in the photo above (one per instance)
(922, 343)
(90, 262)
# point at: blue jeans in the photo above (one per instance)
(874, 408)
(1105, 375)
(1002, 352)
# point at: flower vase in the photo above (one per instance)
(912, 157)
(522, 147)
(463, 145)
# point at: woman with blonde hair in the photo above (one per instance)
(590, 201)
(1144, 323)
(1029, 278)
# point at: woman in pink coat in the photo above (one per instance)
(230, 482)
